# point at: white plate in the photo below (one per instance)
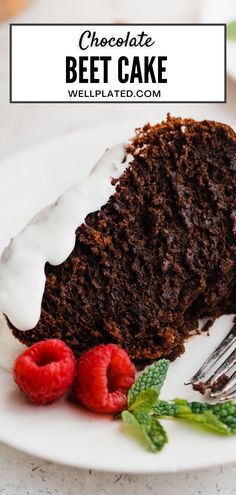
(64, 432)
(222, 11)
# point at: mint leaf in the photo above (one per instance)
(147, 429)
(153, 429)
(142, 397)
(145, 400)
(136, 427)
(221, 417)
(231, 30)
(226, 413)
(207, 420)
(152, 377)
(195, 407)
(201, 413)
(164, 408)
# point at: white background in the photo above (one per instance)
(194, 66)
(22, 126)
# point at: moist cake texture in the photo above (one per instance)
(159, 255)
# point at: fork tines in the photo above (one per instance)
(219, 380)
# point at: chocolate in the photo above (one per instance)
(159, 255)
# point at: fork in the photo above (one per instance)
(221, 382)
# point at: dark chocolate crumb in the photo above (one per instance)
(199, 387)
(219, 383)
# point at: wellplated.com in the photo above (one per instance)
(114, 93)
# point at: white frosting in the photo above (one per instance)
(10, 347)
(50, 237)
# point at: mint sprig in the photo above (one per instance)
(145, 409)
(152, 377)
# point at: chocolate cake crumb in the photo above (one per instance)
(159, 255)
(199, 387)
(213, 387)
(219, 383)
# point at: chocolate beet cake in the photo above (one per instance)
(159, 255)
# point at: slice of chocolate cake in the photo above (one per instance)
(159, 255)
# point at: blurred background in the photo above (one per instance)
(22, 125)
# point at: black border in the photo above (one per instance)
(118, 24)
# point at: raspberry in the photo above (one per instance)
(45, 371)
(103, 377)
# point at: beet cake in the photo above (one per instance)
(159, 255)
